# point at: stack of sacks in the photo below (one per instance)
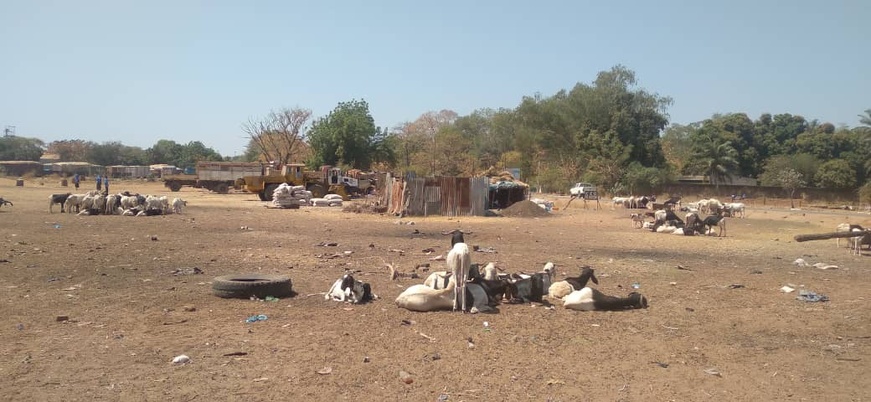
(283, 197)
(320, 202)
(335, 200)
(302, 196)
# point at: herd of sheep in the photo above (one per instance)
(701, 216)
(97, 203)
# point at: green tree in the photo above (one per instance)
(836, 174)
(716, 157)
(71, 150)
(806, 165)
(346, 136)
(677, 144)
(777, 135)
(865, 118)
(865, 194)
(790, 180)
(646, 180)
(164, 151)
(15, 148)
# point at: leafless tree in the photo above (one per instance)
(280, 134)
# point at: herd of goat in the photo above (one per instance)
(665, 219)
(481, 290)
(98, 203)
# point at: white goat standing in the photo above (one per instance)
(459, 260)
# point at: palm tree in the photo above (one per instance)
(719, 158)
(865, 119)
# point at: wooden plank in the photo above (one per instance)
(825, 236)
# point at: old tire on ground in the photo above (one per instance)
(247, 285)
(317, 190)
(174, 186)
(268, 191)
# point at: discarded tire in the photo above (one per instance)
(247, 285)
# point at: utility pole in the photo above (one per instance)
(9, 131)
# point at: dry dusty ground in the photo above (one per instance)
(126, 316)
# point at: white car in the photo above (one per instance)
(580, 189)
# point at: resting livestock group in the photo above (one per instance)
(125, 203)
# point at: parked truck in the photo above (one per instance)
(328, 180)
(214, 176)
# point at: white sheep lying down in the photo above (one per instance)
(424, 298)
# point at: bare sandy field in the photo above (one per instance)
(127, 311)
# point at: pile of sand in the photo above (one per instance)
(524, 209)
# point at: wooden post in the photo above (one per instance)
(832, 235)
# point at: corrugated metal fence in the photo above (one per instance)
(447, 196)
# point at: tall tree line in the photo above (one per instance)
(107, 153)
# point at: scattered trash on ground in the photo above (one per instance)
(325, 370)
(484, 249)
(812, 297)
(636, 285)
(712, 371)
(660, 364)
(736, 286)
(800, 262)
(187, 271)
(787, 289)
(181, 359)
(255, 318)
(271, 299)
(235, 354)
(327, 244)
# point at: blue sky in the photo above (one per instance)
(137, 72)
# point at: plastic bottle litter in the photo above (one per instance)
(181, 359)
(636, 285)
(255, 318)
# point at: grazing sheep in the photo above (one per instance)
(715, 220)
(177, 204)
(57, 199)
(855, 243)
(693, 224)
(736, 209)
(4, 202)
(588, 299)
(846, 227)
(113, 204)
(74, 200)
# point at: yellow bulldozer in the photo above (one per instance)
(328, 180)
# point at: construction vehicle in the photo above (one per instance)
(328, 180)
(215, 176)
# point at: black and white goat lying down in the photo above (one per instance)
(347, 289)
(576, 295)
